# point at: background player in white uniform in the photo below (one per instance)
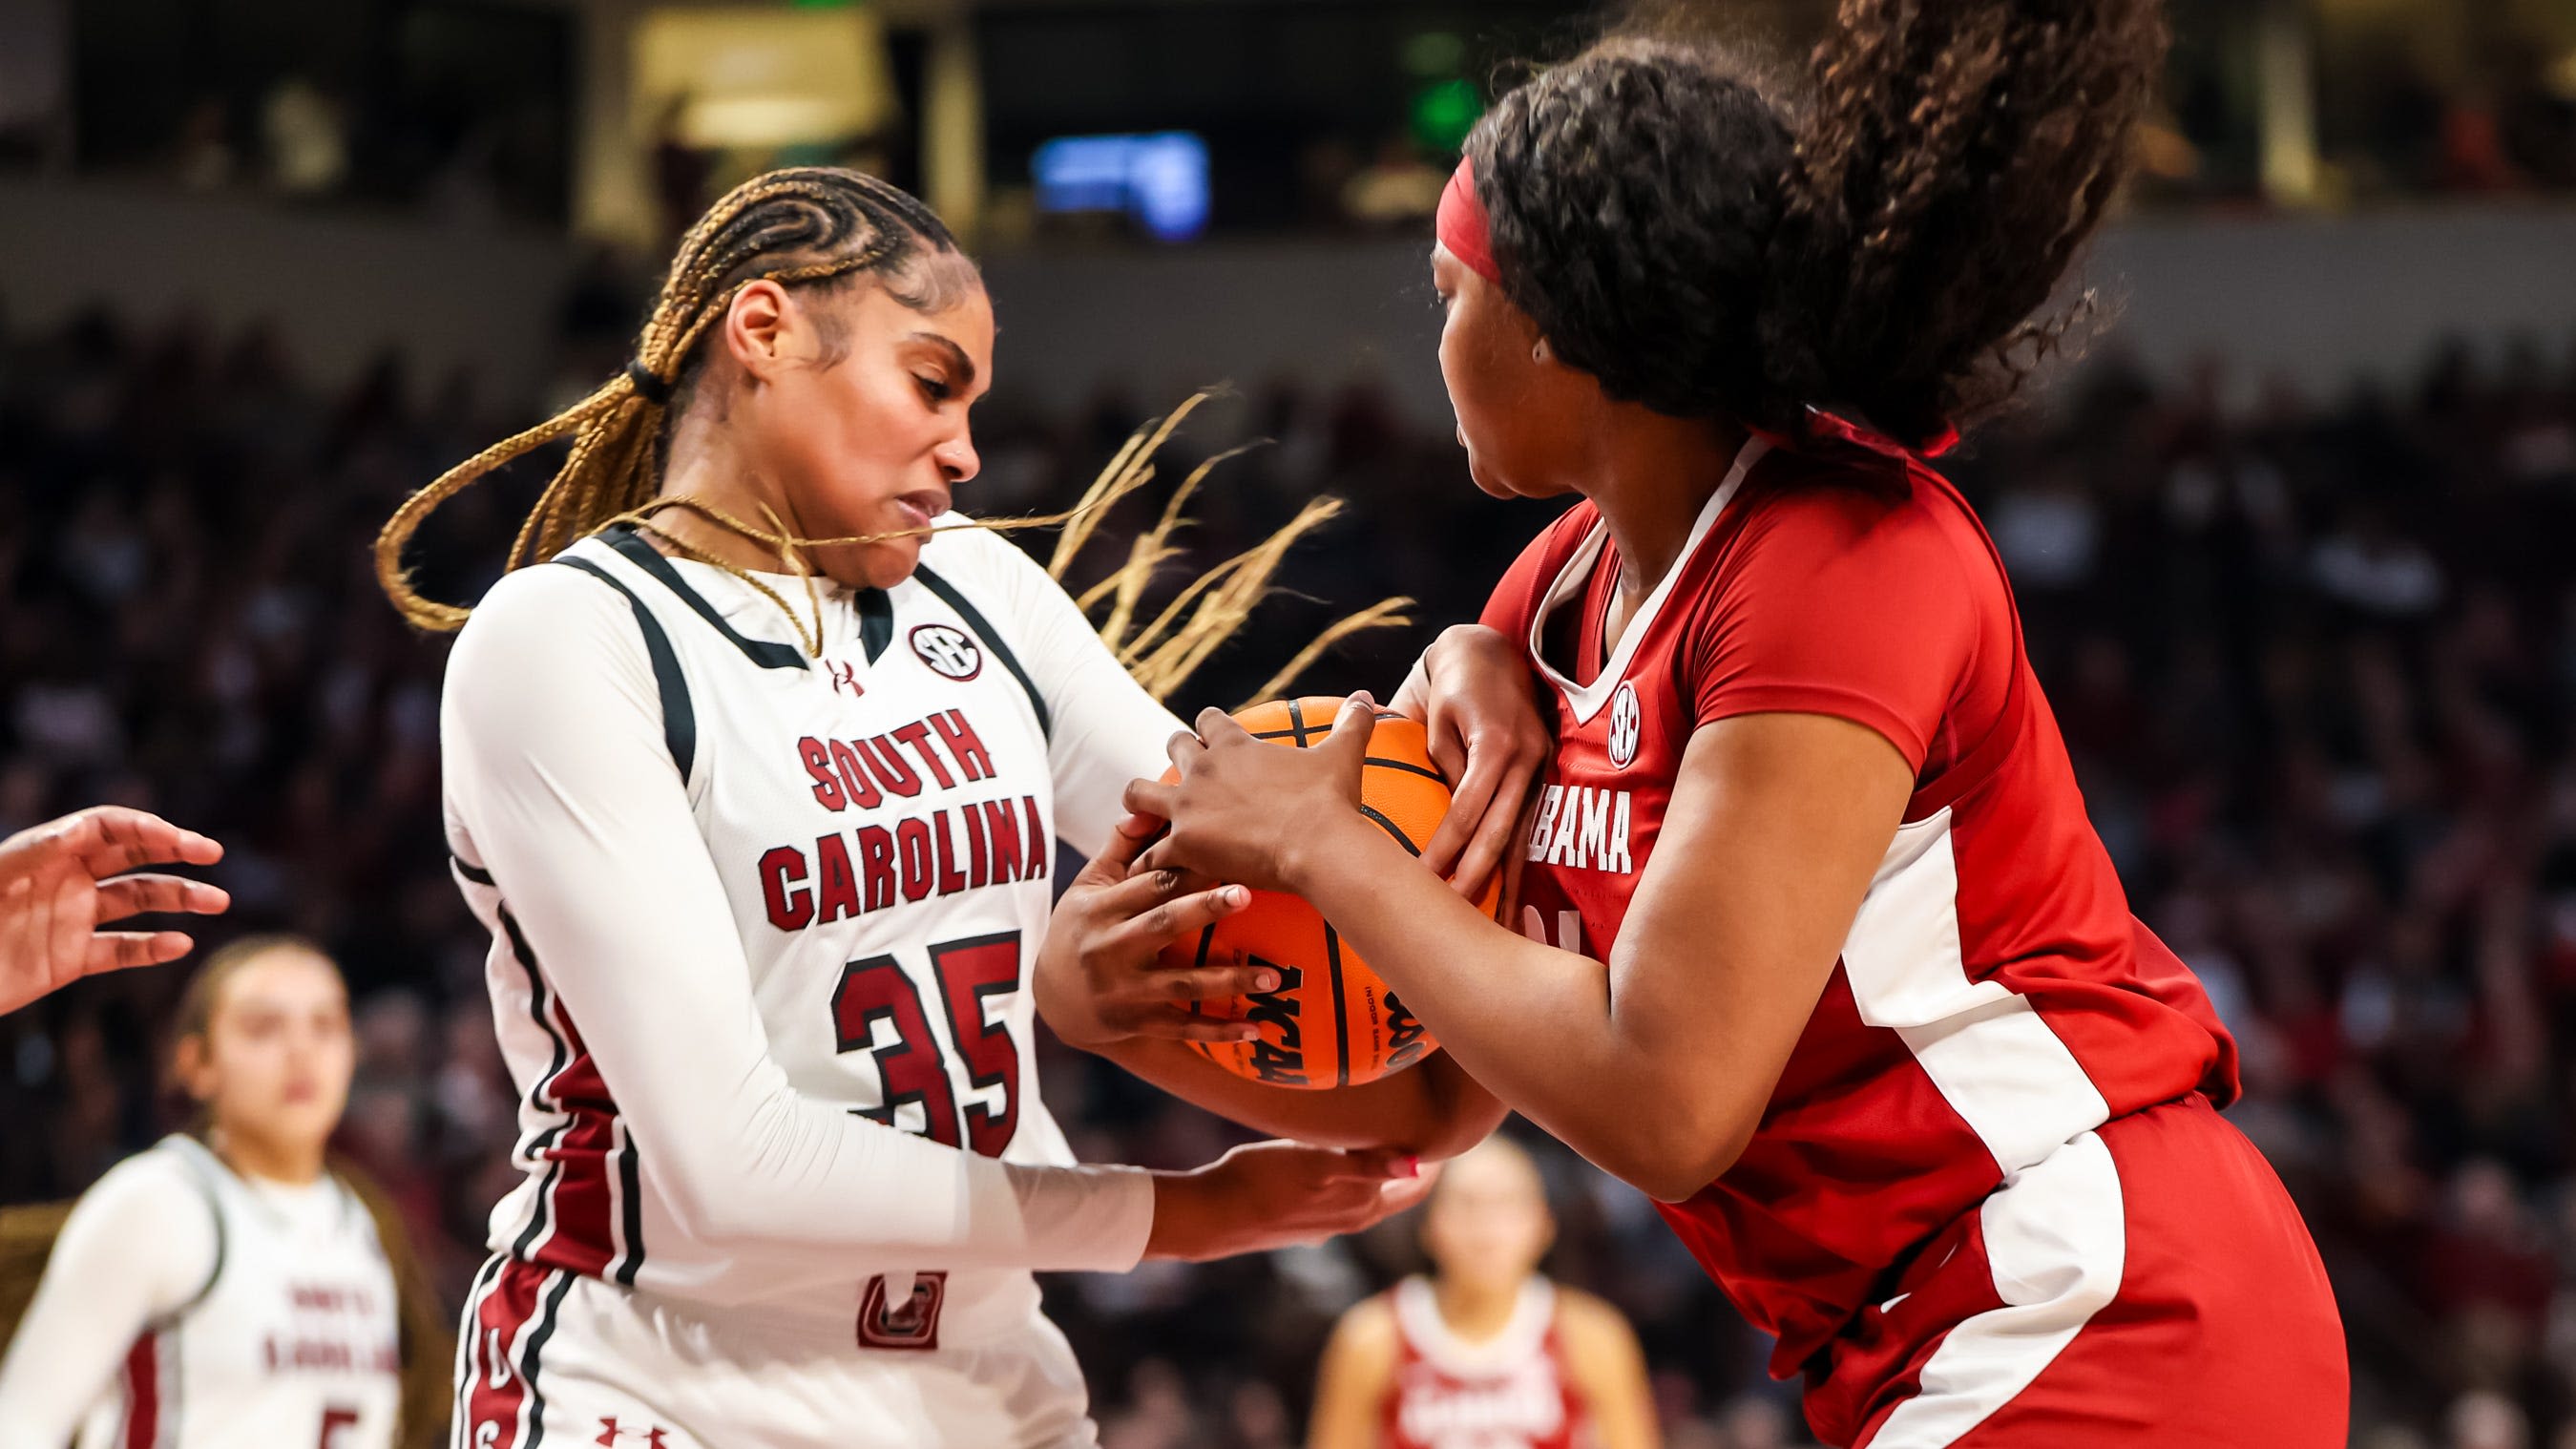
(767, 866)
(1485, 1353)
(228, 1293)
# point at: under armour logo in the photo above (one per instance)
(949, 652)
(610, 1434)
(1623, 725)
(844, 676)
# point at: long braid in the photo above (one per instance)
(807, 225)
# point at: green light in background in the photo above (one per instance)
(1445, 113)
(1434, 53)
(821, 4)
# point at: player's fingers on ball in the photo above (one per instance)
(1177, 1025)
(1153, 919)
(1150, 797)
(133, 895)
(1145, 887)
(1216, 727)
(1190, 912)
(1218, 983)
(1353, 724)
(1130, 837)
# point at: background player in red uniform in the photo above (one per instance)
(1876, 1022)
(1486, 1352)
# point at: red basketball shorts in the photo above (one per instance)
(2149, 1283)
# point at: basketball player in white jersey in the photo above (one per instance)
(1485, 1353)
(767, 859)
(223, 1292)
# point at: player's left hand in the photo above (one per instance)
(56, 892)
(1249, 812)
(1100, 977)
(1472, 693)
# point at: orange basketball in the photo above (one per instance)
(1332, 1022)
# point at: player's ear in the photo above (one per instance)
(192, 1069)
(758, 328)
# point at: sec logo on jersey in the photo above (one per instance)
(950, 652)
(1623, 726)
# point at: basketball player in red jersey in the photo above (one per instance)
(1486, 1353)
(1822, 951)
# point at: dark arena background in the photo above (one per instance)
(2291, 541)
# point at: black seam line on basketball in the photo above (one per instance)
(1207, 942)
(1389, 827)
(876, 622)
(1383, 715)
(630, 1177)
(765, 653)
(545, 1329)
(1408, 767)
(470, 870)
(992, 638)
(679, 717)
(1341, 1008)
(1297, 722)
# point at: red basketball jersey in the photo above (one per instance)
(1995, 997)
(1512, 1392)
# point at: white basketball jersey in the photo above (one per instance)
(882, 817)
(295, 1341)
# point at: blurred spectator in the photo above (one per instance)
(308, 148)
(201, 155)
(1397, 189)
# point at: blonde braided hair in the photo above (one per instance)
(823, 225)
(806, 225)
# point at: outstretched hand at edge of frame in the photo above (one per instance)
(62, 881)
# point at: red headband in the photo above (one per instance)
(1462, 226)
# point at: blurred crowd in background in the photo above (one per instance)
(2316, 664)
(451, 109)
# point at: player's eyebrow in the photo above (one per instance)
(957, 357)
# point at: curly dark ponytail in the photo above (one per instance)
(1708, 244)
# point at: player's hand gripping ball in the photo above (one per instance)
(1332, 1022)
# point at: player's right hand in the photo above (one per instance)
(1100, 978)
(1280, 1195)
